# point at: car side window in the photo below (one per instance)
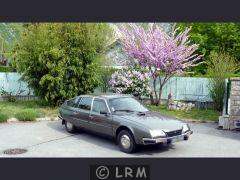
(72, 102)
(99, 105)
(85, 103)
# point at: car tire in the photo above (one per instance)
(70, 127)
(126, 142)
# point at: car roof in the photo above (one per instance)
(106, 95)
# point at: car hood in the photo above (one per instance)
(153, 121)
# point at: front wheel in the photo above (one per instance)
(126, 142)
(70, 127)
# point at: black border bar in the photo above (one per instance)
(119, 10)
(79, 168)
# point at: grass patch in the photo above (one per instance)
(3, 117)
(11, 109)
(194, 114)
(27, 115)
(5, 69)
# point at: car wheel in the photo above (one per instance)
(70, 127)
(126, 141)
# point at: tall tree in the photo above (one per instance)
(58, 60)
(163, 54)
(213, 37)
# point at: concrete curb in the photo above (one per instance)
(47, 119)
(198, 121)
(15, 120)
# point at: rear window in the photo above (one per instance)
(85, 103)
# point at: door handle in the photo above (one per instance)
(90, 116)
(75, 113)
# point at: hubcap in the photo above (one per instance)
(125, 141)
(69, 125)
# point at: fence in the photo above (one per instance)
(10, 82)
(181, 88)
(188, 89)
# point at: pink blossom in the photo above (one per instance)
(171, 54)
(158, 51)
(130, 81)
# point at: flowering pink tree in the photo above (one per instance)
(163, 54)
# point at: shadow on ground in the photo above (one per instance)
(108, 143)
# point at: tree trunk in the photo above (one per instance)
(158, 100)
(154, 96)
(151, 98)
(161, 85)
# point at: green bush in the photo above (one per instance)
(105, 76)
(3, 117)
(26, 115)
(220, 67)
(58, 60)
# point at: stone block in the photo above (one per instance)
(236, 103)
(235, 83)
(235, 118)
(235, 97)
(234, 93)
(224, 122)
(231, 124)
(232, 120)
(235, 88)
(12, 120)
(235, 78)
(235, 111)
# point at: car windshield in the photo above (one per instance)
(127, 104)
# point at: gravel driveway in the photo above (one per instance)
(49, 139)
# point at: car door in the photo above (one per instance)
(82, 112)
(100, 117)
(69, 109)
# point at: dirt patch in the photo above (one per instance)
(14, 151)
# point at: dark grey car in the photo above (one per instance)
(123, 118)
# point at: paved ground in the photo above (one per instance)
(49, 139)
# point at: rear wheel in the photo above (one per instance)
(126, 141)
(70, 127)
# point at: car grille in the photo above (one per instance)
(174, 133)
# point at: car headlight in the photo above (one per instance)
(157, 133)
(185, 128)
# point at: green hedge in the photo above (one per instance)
(3, 117)
(27, 115)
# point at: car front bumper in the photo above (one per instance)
(167, 140)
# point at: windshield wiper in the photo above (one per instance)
(125, 110)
